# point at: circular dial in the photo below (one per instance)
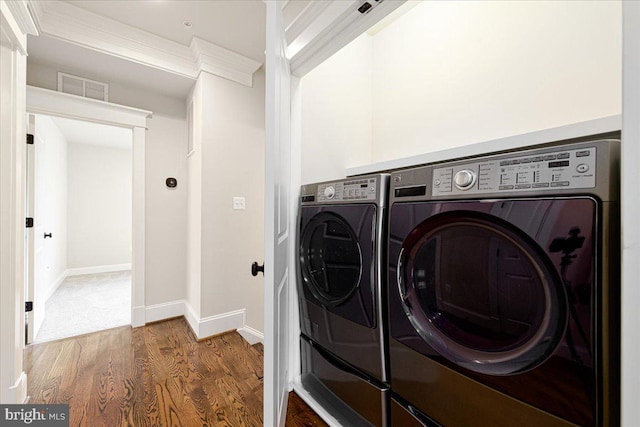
(329, 192)
(464, 179)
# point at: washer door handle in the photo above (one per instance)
(255, 268)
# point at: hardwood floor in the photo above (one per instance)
(300, 415)
(156, 375)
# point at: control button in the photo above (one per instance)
(329, 192)
(527, 160)
(464, 179)
(437, 183)
(560, 184)
(506, 187)
(563, 156)
(541, 185)
(585, 153)
(549, 157)
(582, 167)
(537, 159)
(505, 162)
(522, 186)
(372, 189)
(515, 162)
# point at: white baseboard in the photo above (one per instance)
(214, 325)
(192, 318)
(97, 269)
(309, 399)
(138, 316)
(18, 392)
(201, 327)
(167, 310)
(252, 336)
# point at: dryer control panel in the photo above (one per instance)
(356, 189)
(565, 169)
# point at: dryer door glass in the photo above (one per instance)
(481, 293)
(331, 258)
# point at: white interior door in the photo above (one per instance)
(42, 211)
(277, 220)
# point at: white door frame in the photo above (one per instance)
(52, 103)
(630, 204)
(15, 24)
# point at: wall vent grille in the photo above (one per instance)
(80, 86)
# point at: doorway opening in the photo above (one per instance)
(79, 192)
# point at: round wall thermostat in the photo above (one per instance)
(172, 182)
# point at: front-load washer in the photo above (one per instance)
(504, 287)
(340, 269)
(340, 277)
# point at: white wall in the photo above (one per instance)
(337, 104)
(453, 73)
(51, 209)
(166, 210)
(232, 145)
(449, 74)
(99, 205)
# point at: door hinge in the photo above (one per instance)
(30, 138)
(29, 223)
(28, 306)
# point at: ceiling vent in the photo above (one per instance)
(80, 86)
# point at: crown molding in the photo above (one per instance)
(17, 22)
(20, 11)
(222, 62)
(302, 22)
(72, 24)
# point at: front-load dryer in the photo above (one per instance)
(340, 283)
(504, 287)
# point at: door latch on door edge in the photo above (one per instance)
(28, 306)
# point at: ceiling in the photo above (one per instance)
(236, 25)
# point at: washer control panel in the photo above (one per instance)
(564, 169)
(356, 189)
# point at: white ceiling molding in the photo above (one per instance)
(302, 22)
(222, 62)
(59, 104)
(17, 22)
(337, 26)
(72, 24)
(314, 20)
(21, 14)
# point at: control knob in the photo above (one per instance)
(329, 192)
(464, 179)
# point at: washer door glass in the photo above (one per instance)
(331, 258)
(481, 292)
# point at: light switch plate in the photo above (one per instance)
(238, 204)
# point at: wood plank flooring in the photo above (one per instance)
(156, 375)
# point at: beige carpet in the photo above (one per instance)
(87, 303)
